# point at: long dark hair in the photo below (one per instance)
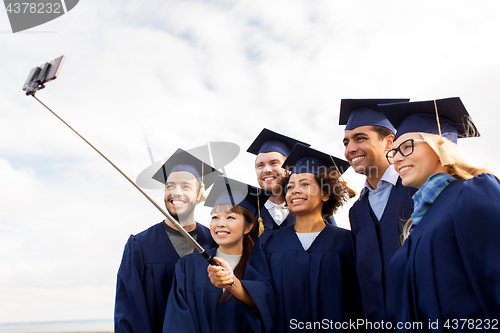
(249, 219)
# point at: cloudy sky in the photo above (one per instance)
(169, 74)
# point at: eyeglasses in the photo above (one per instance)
(405, 149)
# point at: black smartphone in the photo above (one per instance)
(42, 74)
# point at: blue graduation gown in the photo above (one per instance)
(449, 267)
(268, 222)
(376, 243)
(291, 286)
(144, 279)
(193, 304)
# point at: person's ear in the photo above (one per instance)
(389, 142)
(248, 228)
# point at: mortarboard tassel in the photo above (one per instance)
(338, 170)
(202, 195)
(261, 225)
(445, 158)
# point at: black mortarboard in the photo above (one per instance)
(215, 153)
(230, 191)
(269, 141)
(364, 112)
(454, 120)
(303, 159)
(181, 160)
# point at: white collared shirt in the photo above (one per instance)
(278, 212)
(378, 197)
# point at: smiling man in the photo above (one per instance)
(272, 149)
(149, 258)
(384, 204)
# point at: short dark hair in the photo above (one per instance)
(382, 132)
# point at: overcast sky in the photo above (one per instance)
(170, 74)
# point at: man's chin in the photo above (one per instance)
(175, 216)
(269, 186)
(360, 169)
(180, 216)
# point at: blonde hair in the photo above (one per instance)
(451, 157)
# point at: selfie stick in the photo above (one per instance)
(36, 79)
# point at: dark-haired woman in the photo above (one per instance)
(195, 304)
(302, 277)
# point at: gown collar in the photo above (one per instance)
(428, 193)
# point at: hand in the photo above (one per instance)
(221, 276)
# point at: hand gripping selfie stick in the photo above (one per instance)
(48, 72)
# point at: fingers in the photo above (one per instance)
(222, 283)
(223, 263)
(215, 269)
(218, 273)
(219, 276)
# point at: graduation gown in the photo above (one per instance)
(144, 279)
(268, 222)
(193, 304)
(449, 267)
(376, 243)
(292, 287)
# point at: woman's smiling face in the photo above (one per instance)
(227, 230)
(417, 167)
(303, 194)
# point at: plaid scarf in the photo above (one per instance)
(425, 197)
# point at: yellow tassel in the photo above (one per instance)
(338, 170)
(261, 226)
(202, 195)
(445, 158)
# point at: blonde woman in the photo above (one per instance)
(447, 273)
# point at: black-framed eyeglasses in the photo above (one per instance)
(405, 149)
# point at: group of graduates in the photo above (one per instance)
(422, 254)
